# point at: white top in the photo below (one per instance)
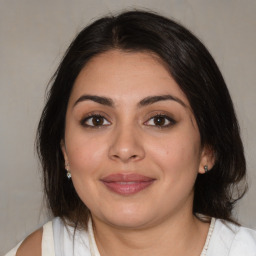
(224, 239)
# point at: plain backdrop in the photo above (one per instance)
(33, 37)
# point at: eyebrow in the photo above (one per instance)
(144, 102)
(153, 99)
(99, 99)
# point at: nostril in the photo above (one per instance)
(117, 156)
(125, 150)
(122, 157)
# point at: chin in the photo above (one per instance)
(128, 219)
(128, 223)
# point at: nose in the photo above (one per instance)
(126, 145)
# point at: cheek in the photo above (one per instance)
(177, 158)
(85, 153)
(177, 154)
(86, 158)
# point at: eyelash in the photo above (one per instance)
(168, 118)
(92, 115)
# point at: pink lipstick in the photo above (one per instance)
(127, 184)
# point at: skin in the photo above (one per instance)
(130, 139)
(31, 246)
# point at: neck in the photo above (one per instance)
(177, 235)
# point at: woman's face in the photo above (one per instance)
(131, 141)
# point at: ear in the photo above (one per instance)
(64, 152)
(207, 159)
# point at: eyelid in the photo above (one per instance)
(94, 114)
(164, 115)
(155, 114)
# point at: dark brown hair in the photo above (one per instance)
(197, 74)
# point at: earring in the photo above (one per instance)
(68, 172)
(206, 169)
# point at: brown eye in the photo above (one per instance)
(161, 121)
(95, 121)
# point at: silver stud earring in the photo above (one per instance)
(68, 172)
(206, 169)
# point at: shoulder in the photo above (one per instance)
(40, 242)
(232, 240)
(32, 244)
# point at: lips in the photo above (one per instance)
(127, 184)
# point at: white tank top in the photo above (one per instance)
(47, 242)
(68, 242)
(225, 239)
(61, 240)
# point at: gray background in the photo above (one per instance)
(33, 37)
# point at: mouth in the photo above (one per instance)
(127, 184)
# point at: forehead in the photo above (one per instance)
(126, 76)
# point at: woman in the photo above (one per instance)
(140, 147)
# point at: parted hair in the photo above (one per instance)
(195, 71)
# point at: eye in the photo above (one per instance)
(161, 121)
(95, 121)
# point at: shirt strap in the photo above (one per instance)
(47, 240)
